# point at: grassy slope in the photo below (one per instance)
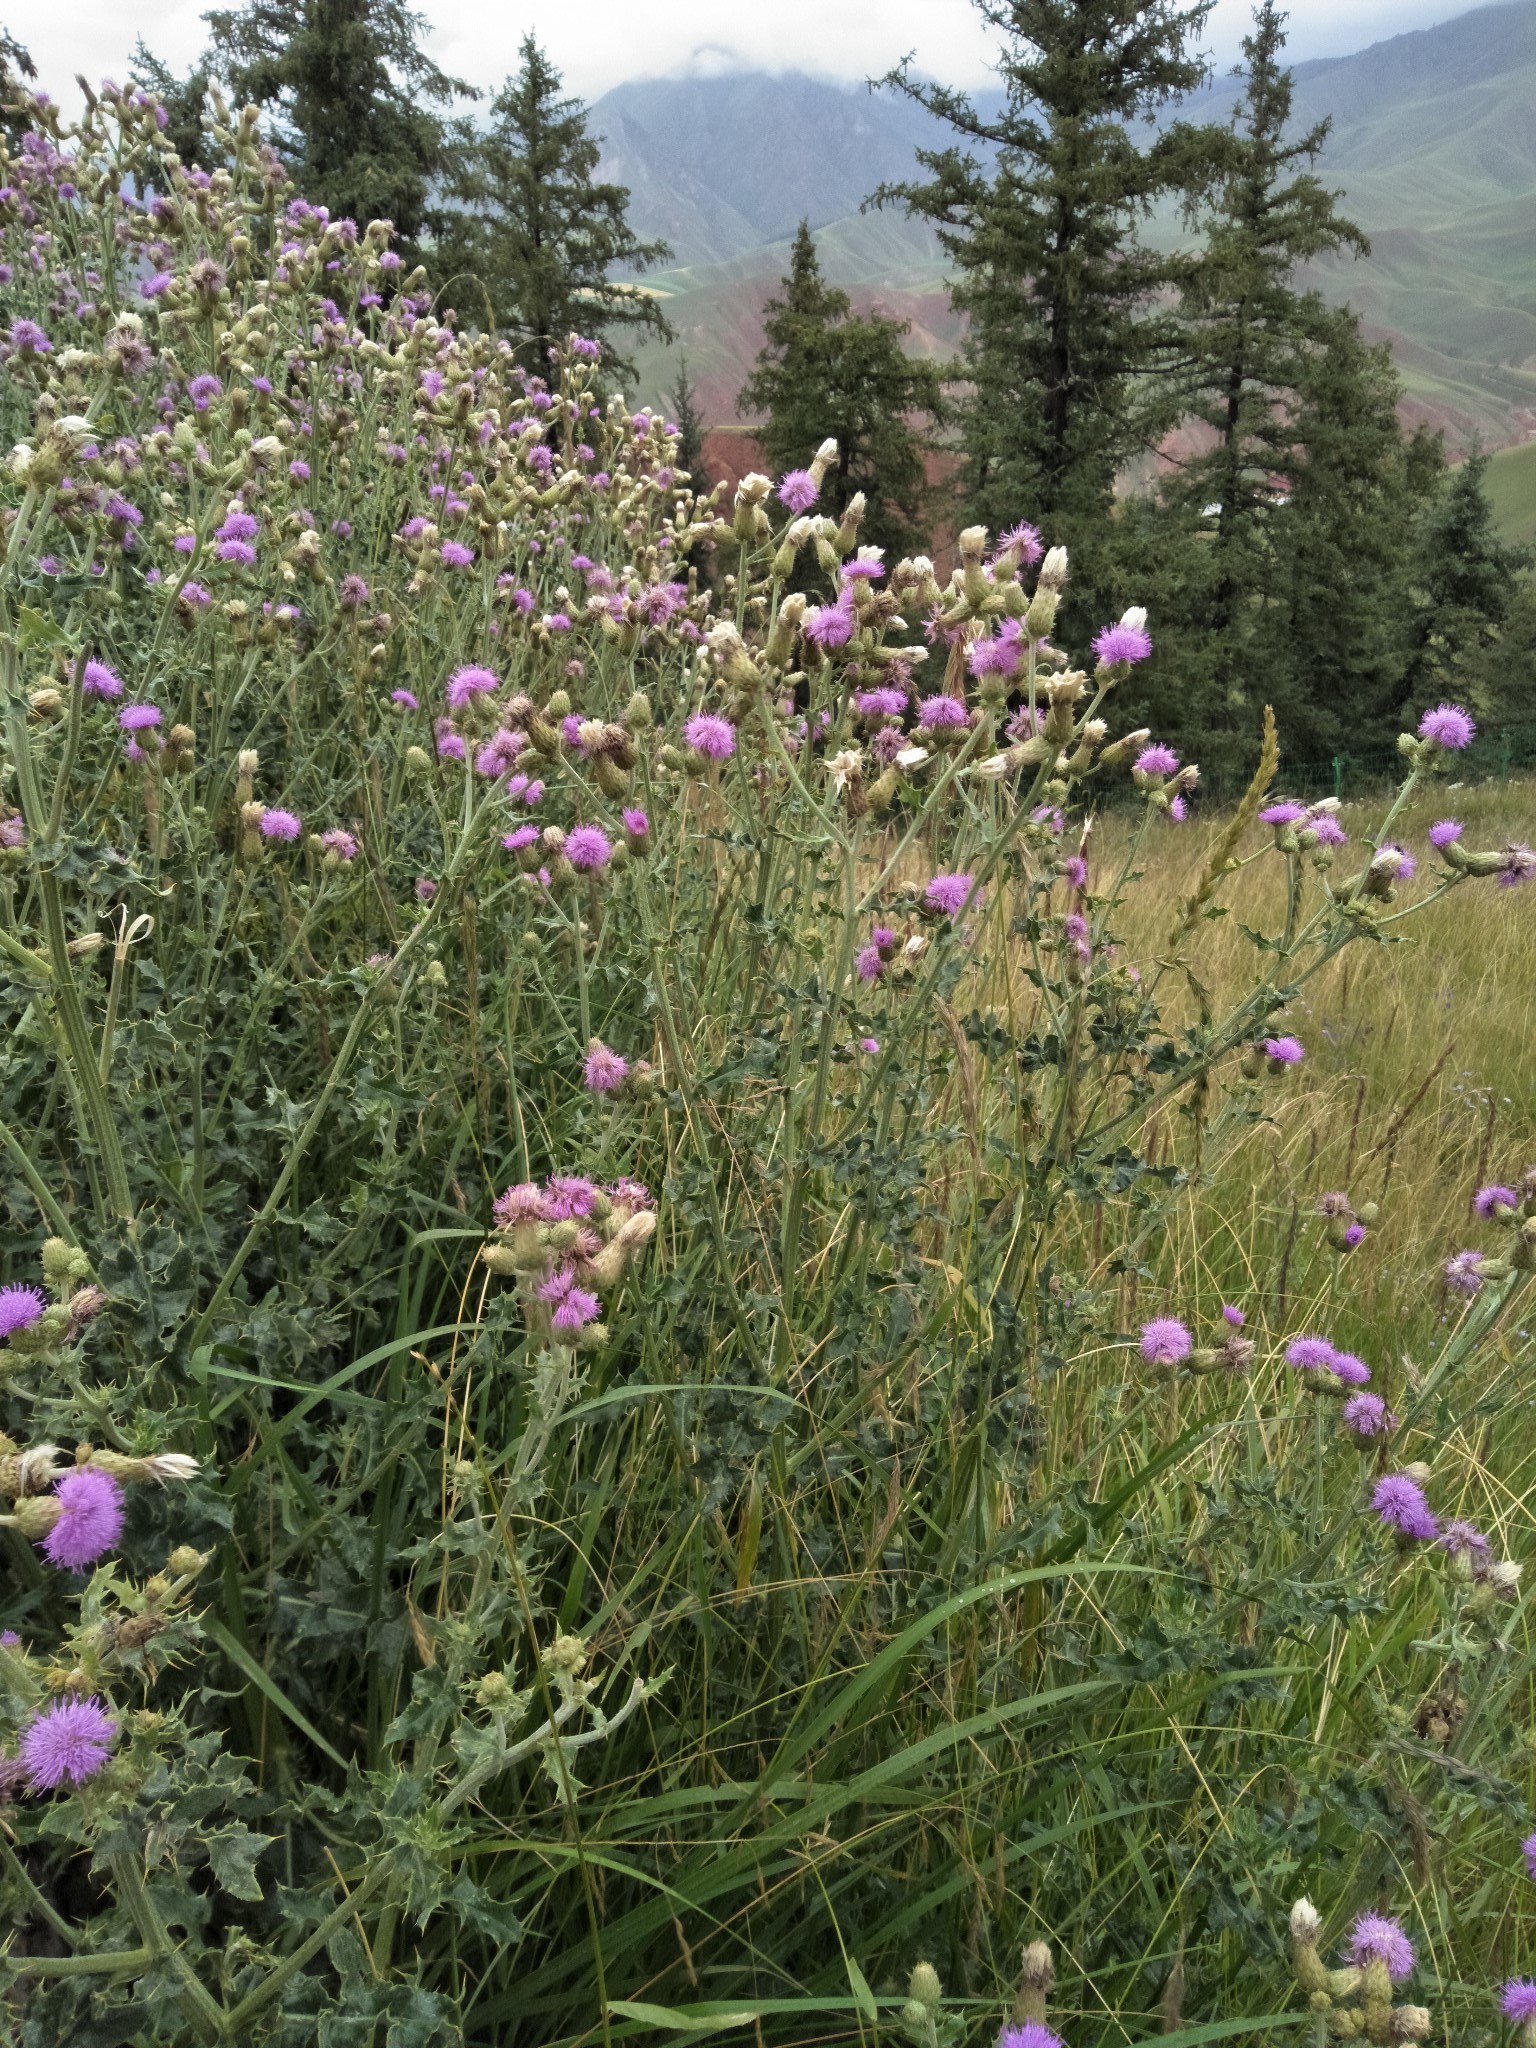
(1511, 487)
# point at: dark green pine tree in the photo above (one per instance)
(538, 233)
(356, 99)
(1072, 353)
(1251, 331)
(186, 104)
(1465, 594)
(689, 422)
(1330, 642)
(16, 69)
(824, 370)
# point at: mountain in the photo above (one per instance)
(1433, 146)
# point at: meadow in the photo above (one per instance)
(716, 1323)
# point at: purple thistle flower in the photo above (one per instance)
(1232, 1315)
(424, 889)
(1518, 865)
(1517, 2001)
(1286, 1052)
(869, 1045)
(525, 835)
(568, 1197)
(342, 844)
(1463, 1539)
(869, 964)
(1344, 1365)
(20, 1308)
(588, 847)
(1400, 1503)
(1029, 2034)
(203, 390)
(1528, 1848)
(138, 717)
(636, 823)
(1489, 1200)
(604, 1069)
(1448, 726)
(455, 554)
(279, 824)
(100, 681)
(1463, 1272)
(1165, 1341)
(238, 525)
(1074, 871)
(1376, 1939)
(1123, 644)
(1368, 1415)
(1325, 830)
(711, 735)
(1354, 1234)
(942, 712)
(1397, 860)
(1286, 813)
(829, 625)
(353, 592)
(406, 699)
(1445, 831)
(1310, 1354)
(1022, 541)
(469, 682)
(1156, 760)
(239, 551)
(66, 1743)
(92, 1521)
(947, 894)
(797, 490)
(27, 336)
(884, 702)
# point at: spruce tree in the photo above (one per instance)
(823, 370)
(538, 232)
(185, 101)
(690, 425)
(1465, 591)
(1250, 328)
(355, 97)
(1070, 354)
(16, 69)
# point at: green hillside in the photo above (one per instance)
(1511, 487)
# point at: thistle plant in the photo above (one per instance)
(613, 1127)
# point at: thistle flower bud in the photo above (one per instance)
(973, 544)
(822, 461)
(924, 1987)
(186, 1562)
(1411, 2023)
(565, 1657)
(1053, 570)
(1306, 1922)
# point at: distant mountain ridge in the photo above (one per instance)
(1433, 145)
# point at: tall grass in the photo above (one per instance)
(843, 1583)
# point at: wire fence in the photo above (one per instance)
(1497, 753)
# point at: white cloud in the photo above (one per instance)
(605, 41)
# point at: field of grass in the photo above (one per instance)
(1511, 486)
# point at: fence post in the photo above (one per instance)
(1338, 776)
(1506, 755)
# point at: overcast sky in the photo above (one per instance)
(600, 42)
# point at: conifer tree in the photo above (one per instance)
(185, 101)
(1250, 329)
(824, 370)
(1465, 593)
(16, 70)
(541, 234)
(690, 425)
(1069, 356)
(356, 99)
